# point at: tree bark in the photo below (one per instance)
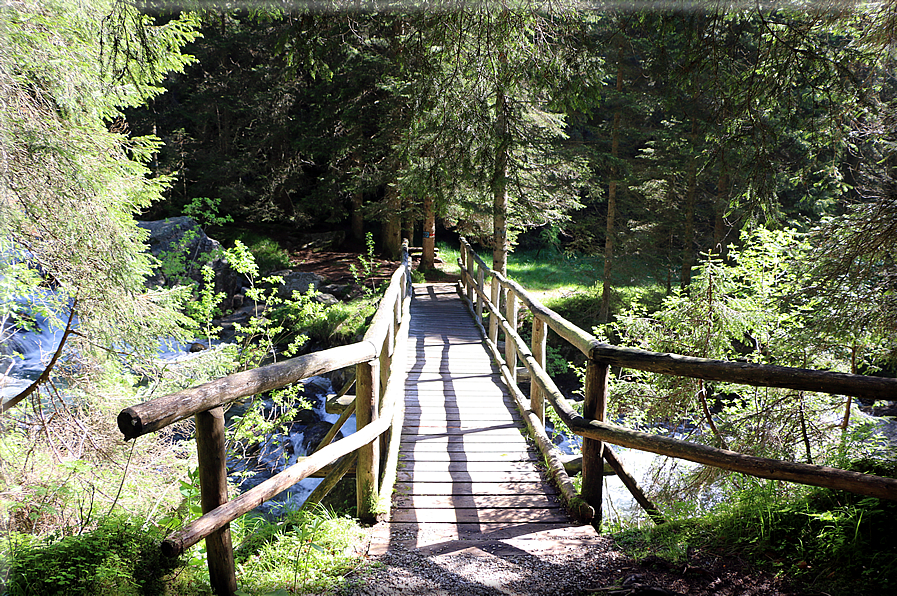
(612, 198)
(210, 448)
(392, 224)
(500, 188)
(428, 242)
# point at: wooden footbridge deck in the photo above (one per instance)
(467, 475)
(439, 415)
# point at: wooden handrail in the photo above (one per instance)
(746, 373)
(158, 413)
(183, 539)
(382, 344)
(602, 355)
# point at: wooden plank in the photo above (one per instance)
(458, 453)
(464, 464)
(464, 467)
(500, 433)
(446, 476)
(452, 516)
(436, 442)
(466, 501)
(469, 419)
(419, 487)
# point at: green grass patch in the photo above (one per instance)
(449, 255)
(828, 541)
(268, 254)
(118, 558)
(306, 552)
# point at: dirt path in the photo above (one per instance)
(548, 566)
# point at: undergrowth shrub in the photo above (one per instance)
(308, 550)
(833, 541)
(118, 558)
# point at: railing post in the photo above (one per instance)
(511, 316)
(469, 264)
(593, 408)
(210, 451)
(367, 472)
(481, 277)
(536, 399)
(496, 303)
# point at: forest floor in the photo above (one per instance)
(336, 266)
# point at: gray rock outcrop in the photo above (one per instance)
(183, 248)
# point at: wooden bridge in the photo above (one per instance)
(438, 449)
(468, 477)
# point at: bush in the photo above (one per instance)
(118, 558)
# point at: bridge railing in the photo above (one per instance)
(591, 424)
(379, 411)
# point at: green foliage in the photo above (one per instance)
(267, 252)
(73, 181)
(751, 308)
(308, 551)
(830, 541)
(205, 211)
(367, 266)
(119, 557)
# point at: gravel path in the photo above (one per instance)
(543, 567)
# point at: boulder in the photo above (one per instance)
(183, 248)
(326, 299)
(297, 281)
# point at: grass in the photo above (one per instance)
(268, 254)
(557, 278)
(822, 540)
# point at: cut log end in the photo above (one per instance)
(172, 548)
(129, 424)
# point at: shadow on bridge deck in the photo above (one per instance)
(468, 479)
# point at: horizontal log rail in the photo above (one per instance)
(380, 369)
(158, 413)
(601, 356)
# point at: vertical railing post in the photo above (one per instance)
(210, 449)
(496, 304)
(593, 408)
(510, 349)
(481, 289)
(471, 271)
(367, 472)
(536, 399)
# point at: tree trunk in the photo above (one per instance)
(428, 256)
(500, 189)
(688, 240)
(612, 198)
(392, 224)
(721, 227)
(357, 216)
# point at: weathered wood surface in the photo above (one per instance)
(466, 470)
(160, 412)
(760, 375)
